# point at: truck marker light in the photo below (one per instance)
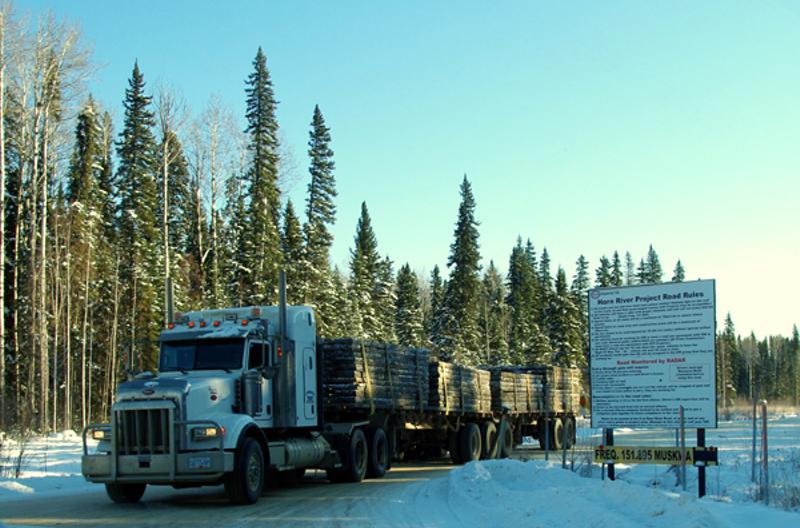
(213, 397)
(280, 352)
(244, 322)
(215, 323)
(202, 324)
(171, 326)
(255, 312)
(191, 324)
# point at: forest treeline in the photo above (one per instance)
(97, 215)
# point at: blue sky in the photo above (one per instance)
(587, 127)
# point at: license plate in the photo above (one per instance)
(199, 462)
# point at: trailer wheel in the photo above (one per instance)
(453, 446)
(470, 442)
(505, 439)
(354, 459)
(125, 493)
(489, 440)
(556, 432)
(378, 452)
(569, 431)
(245, 484)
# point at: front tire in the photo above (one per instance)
(125, 493)
(245, 484)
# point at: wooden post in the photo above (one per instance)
(701, 466)
(764, 452)
(610, 442)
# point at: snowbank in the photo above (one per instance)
(536, 493)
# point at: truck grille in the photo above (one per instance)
(143, 431)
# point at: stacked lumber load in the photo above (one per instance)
(563, 387)
(459, 389)
(376, 376)
(516, 392)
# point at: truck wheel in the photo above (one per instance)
(245, 484)
(125, 493)
(506, 439)
(556, 432)
(378, 452)
(354, 459)
(569, 431)
(470, 442)
(489, 440)
(453, 447)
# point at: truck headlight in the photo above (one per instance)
(206, 433)
(101, 434)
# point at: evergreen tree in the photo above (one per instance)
(320, 209)
(408, 325)
(545, 289)
(462, 297)
(565, 326)
(433, 323)
(138, 224)
(642, 273)
(235, 275)
(521, 300)
(679, 274)
(630, 270)
(364, 270)
(655, 273)
(261, 258)
(494, 318)
(581, 281)
(603, 273)
(616, 271)
(385, 301)
(293, 255)
(727, 363)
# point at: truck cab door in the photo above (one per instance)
(258, 354)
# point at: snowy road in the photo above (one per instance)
(314, 502)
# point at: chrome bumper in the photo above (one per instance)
(164, 466)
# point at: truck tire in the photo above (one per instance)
(354, 453)
(378, 459)
(489, 440)
(556, 432)
(125, 493)
(505, 439)
(569, 431)
(453, 447)
(470, 442)
(245, 484)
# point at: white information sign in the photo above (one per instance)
(652, 350)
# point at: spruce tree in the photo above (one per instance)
(138, 224)
(679, 274)
(565, 326)
(545, 289)
(320, 207)
(364, 270)
(616, 271)
(603, 273)
(261, 239)
(433, 322)
(642, 273)
(462, 297)
(494, 318)
(521, 300)
(408, 324)
(655, 273)
(293, 255)
(630, 270)
(385, 301)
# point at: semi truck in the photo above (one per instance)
(244, 393)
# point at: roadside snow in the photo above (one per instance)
(537, 493)
(51, 465)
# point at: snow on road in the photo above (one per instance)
(533, 493)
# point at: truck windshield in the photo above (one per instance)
(204, 354)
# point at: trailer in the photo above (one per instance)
(246, 394)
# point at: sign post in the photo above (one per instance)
(653, 358)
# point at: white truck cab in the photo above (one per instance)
(236, 393)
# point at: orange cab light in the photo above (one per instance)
(202, 324)
(244, 322)
(215, 323)
(171, 326)
(280, 352)
(255, 312)
(191, 324)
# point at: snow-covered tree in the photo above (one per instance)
(408, 325)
